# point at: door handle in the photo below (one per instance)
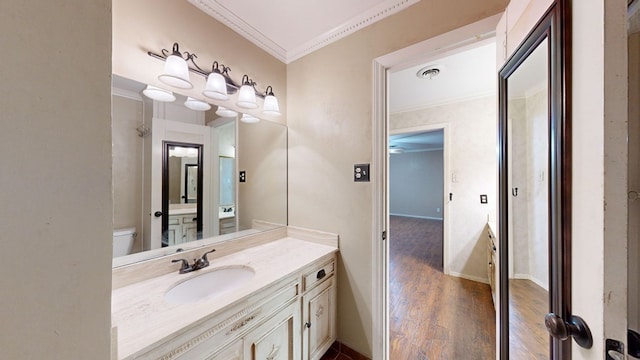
(633, 343)
(576, 327)
(157, 214)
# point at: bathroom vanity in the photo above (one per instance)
(275, 298)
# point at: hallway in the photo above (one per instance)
(432, 315)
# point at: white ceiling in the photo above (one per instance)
(464, 75)
(290, 29)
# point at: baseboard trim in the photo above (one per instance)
(532, 279)
(469, 277)
(416, 216)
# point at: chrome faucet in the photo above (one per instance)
(198, 264)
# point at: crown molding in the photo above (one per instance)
(235, 23)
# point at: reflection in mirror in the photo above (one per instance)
(182, 173)
(528, 126)
(229, 209)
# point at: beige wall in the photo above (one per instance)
(128, 166)
(152, 25)
(56, 216)
(262, 153)
(330, 123)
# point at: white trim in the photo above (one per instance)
(417, 216)
(532, 279)
(237, 24)
(380, 211)
(126, 94)
(464, 36)
(469, 277)
(445, 102)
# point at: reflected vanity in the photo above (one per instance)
(170, 199)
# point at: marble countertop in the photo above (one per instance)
(182, 211)
(225, 215)
(143, 317)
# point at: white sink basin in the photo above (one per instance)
(209, 284)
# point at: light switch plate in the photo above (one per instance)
(483, 199)
(361, 172)
(243, 176)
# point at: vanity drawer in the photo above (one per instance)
(174, 220)
(317, 275)
(188, 219)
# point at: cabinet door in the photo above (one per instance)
(318, 313)
(189, 232)
(174, 234)
(277, 338)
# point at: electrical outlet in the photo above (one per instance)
(361, 172)
(243, 176)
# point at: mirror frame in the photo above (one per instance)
(165, 187)
(554, 26)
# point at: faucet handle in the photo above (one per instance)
(185, 268)
(204, 256)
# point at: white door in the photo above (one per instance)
(599, 158)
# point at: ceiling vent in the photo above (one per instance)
(428, 72)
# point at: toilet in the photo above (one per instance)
(123, 241)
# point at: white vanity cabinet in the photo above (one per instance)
(491, 267)
(319, 311)
(287, 311)
(182, 228)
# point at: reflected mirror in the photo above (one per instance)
(205, 187)
(182, 173)
(528, 131)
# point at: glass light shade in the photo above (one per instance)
(216, 87)
(249, 119)
(176, 73)
(224, 112)
(155, 93)
(247, 97)
(197, 105)
(271, 105)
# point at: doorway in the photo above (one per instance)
(441, 186)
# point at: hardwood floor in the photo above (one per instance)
(432, 315)
(528, 304)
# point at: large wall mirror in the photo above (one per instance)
(534, 208)
(175, 175)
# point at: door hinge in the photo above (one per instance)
(384, 235)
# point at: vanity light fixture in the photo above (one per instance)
(176, 70)
(224, 112)
(196, 105)
(270, 106)
(247, 94)
(249, 119)
(155, 93)
(218, 86)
